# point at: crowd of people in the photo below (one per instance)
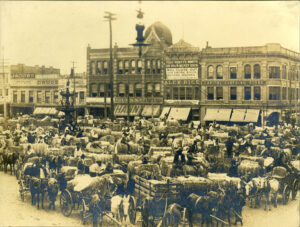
(190, 149)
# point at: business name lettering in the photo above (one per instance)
(234, 82)
(47, 82)
(23, 76)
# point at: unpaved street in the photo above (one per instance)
(14, 212)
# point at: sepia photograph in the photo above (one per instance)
(149, 113)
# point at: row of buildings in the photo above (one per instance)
(232, 84)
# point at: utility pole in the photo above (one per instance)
(4, 88)
(74, 94)
(110, 17)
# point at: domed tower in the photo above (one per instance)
(158, 32)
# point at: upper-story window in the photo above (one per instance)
(99, 67)
(121, 90)
(31, 96)
(93, 68)
(138, 90)
(158, 66)
(94, 91)
(257, 93)
(149, 90)
(233, 93)
(256, 71)
(283, 72)
(210, 72)
(247, 93)
(131, 90)
(139, 67)
(168, 93)
(55, 96)
(39, 97)
(47, 96)
(247, 71)
(132, 66)
(148, 67)
(284, 93)
(105, 67)
(274, 72)
(233, 72)
(120, 67)
(153, 64)
(219, 91)
(199, 71)
(219, 72)
(101, 90)
(274, 93)
(157, 89)
(126, 67)
(22, 96)
(210, 93)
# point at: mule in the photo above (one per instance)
(120, 207)
(270, 192)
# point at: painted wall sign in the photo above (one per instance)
(22, 76)
(181, 69)
(47, 82)
(181, 82)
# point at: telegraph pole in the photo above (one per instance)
(74, 94)
(110, 17)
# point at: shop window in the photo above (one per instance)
(138, 90)
(210, 72)
(274, 72)
(233, 74)
(257, 71)
(182, 93)
(139, 67)
(274, 93)
(30, 97)
(247, 71)
(105, 67)
(210, 93)
(39, 97)
(284, 72)
(23, 96)
(233, 93)
(219, 72)
(284, 93)
(15, 96)
(247, 93)
(175, 93)
(257, 93)
(219, 91)
(189, 95)
(121, 90)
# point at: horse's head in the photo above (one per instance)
(248, 187)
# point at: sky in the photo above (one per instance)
(56, 33)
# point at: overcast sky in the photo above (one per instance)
(56, 33)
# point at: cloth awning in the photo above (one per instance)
(44, 111)
(179, 113)
(238, 115)
(165, 111)
(217, 115)
(147, 111)
(134, 110)
(251, 116)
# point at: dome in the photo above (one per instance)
(162, 31)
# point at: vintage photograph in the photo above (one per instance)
(149, 113)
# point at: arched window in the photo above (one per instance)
(138, 90)
(153, 64)
(247, 72)
(93, 68)
(158, 66)
(210, 72)
(219, 72)
(99, 67)
(132, 66)
(105, 67)
(139, 67)
(157, 89)
(256, 71)
(148, 66)
(126, 67)
(121, 90)
(120, 67)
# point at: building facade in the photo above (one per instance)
(235, 84)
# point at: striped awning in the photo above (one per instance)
(147, 111)
(134, 110)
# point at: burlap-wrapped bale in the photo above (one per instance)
(259, 160)
(40, 148)
(223, 179)
(195, 184)
(68, 150)
(166, 164)
(247, 166)
(152, 169)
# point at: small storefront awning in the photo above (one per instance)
(217, 115)
(165, 111)
(44, 111)
(238, 115)
(179, 113)
(251, 116)
(147, 111)
(121, 110)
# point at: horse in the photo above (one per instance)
(120, 207)
(52, 189)
(9, 158)
(270, 191)
(253, 191)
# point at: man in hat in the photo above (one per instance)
(178, 153)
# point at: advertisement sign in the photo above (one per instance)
(23, 76)
(181, 69)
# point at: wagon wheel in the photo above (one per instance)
(167, 220)
(66, 203)
(132, 210)
(21, 189)
(286, 194)
(295, 189)
(83, 211)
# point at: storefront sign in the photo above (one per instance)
(138, 100)
(182, 102)
(181, 69)
(47, 82)
(23, 76)
(233, 82)
(181, 82)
